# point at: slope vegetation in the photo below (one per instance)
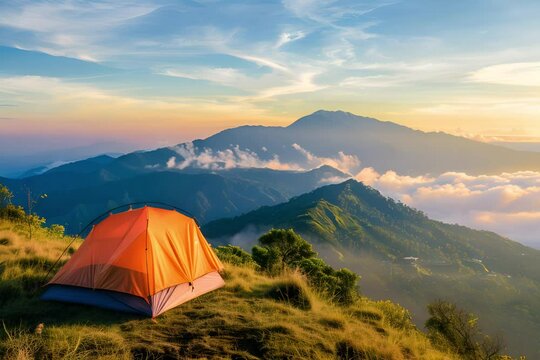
(243, 320)
(403, 255)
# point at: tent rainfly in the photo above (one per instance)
(144, 261)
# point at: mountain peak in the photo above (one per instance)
(329, 118)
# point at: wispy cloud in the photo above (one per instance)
(287, 37)
(69, 28)
(520, 74)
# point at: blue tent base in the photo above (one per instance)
(106, 299)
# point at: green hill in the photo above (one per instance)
(78, 192)
(403, 255)
(243, 320)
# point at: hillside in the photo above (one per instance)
(352, 216)
(403, 255)
(77, 193)
(243, 320)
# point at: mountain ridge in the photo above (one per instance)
(404, 256)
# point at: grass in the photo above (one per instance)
(252, 317)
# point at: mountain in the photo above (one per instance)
(382, 145)
(77, 192)
(82, 166)
(403, 255)
(240, 154)
(379, 144)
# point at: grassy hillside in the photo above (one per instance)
(403, 255)
(252, 317)
(353, 217)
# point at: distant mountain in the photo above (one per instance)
(34, 171)
(379, 144)
(77, 192)
(82, 166)
(403, 255)
(324, 134)
(323, 137)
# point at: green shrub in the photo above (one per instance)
(56, 230)
(395, 315)
(13, 213)
(280, 249)
(5, 196)
(235, 255)
(452, 328)
(339, 285)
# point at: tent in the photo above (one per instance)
(144, 261)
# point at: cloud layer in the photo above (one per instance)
(235, 157)
(508, 204)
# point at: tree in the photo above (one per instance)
(33, 220)
(453, 328)
(5, 196)
(280, 248)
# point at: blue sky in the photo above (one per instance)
(150, 73)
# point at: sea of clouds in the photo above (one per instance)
(507, 203)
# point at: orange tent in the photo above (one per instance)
(145, 261)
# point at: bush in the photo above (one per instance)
(13, 213)
(268, 259)
(235, 255)
(338, 285)
(395, 315)
(281, 249)
(56, 230)
(5, 196)
(452, 328)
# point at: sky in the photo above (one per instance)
(144, 74)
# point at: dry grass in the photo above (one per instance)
(252, 317)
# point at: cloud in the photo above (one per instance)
(260, 61)
(301, 84)
(489, 107)
(68, 28)
(521, 74)
(220, 75)
(287, 37)
(507, 203)
(235, 157)
(343, 162)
